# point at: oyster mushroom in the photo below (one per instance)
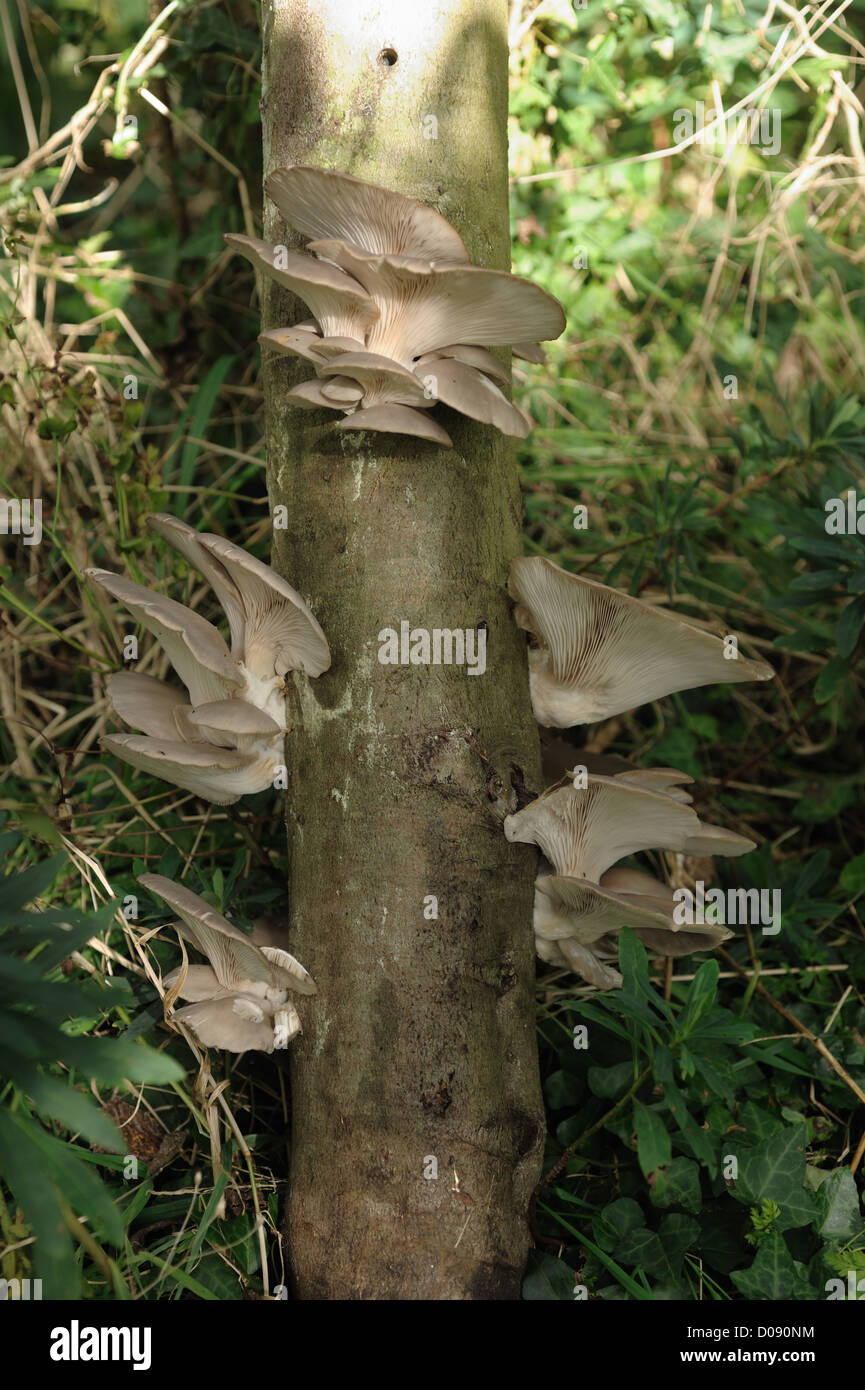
(240, 1000)
(600, 652)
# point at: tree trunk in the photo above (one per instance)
(418, 1055)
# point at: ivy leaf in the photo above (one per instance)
(677, 1184)
(775, 1171)
(774, 1275)
(838, 1201)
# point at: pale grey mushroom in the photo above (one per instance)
(600, 652)
(223, 738)
(220, 775)
(240, 1001)
(577, 923)
(397, 419)
(341, 306)
(583, 831)
(388, 276)
(322, 203)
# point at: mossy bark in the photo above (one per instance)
(420, 1045)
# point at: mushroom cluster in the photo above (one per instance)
(597, 652)
(402, 319)
(223, 737)
(239, 1001)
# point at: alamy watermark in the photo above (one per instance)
(761, 129)
(439, 646)
(21, 518)
(756, 907)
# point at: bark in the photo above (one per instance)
(421, 1042)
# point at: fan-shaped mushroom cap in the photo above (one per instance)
(603, 652)
(232, 1022)
(280, 633)
(382, 380)
(322, 203)
(238, 963)
(335, 347)
(582, 831)
(396, 419)
(574, 907)
(343, 391)
(672, 940)
(187, 542)
(309, 395)
(220, 775)
(341, 306)
(297, 342)
(234, 724)
(472, 355)
(715, 839)
(529, 352)
(194, 647)
(666, 780)
(199, 983)
(424, 307)
(465, 389)
(148, 704)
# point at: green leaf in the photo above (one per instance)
(562, 1090)
(848, 626)
(700, 997)
(653, 1141)
(774, 1275)
(852, 877)
(37, 1195)
(22, 887)
(677, 1184)
(660, 1252)
(775, 1170)
(830, 679)
(840, 1214)
(78, 1113)
(548, 1280)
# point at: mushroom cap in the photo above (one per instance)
(583, 831)
(310, 395)
(672, 939)
(199, 983)
(397, 419)
(230, 1021)
(472, 355)
(236, 960)
(297, 342)
(603, 652)
(342, 390)
(148, 704)
(280, 631)
(383, 381)
(186, 541)
(666, 780)
(529, 352)
(466, 389)
(220, 775)
(715, 839)
(234, 723)
(327, 348)
(195, 648)
(323, 203)
(423, 307)
(341, 306)
(585, 911)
